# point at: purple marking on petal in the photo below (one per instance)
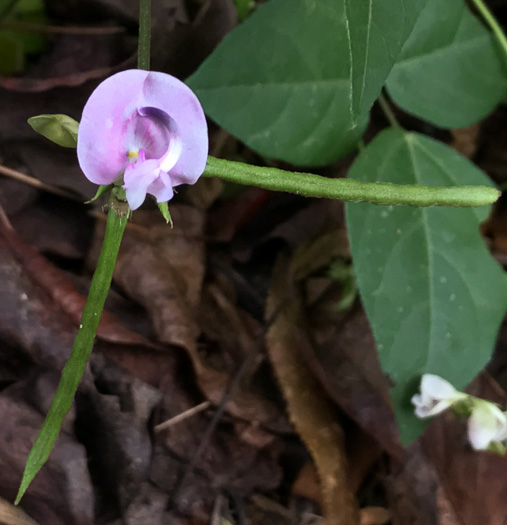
(148, 132)
(173, 149)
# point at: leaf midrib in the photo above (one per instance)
(367, 51)
(430, 256)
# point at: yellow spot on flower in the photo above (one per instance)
(132, 155)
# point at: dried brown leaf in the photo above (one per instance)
(74, 60)
(412, 489)
(115, 429)
(466, 140)
(29, 319)
(12, 515)
(226, 463)
(311, 411)
(319, 252)
(237, 337)
(375, 516)
(185, 33)
(163, 270)
(348, 367)
(55, 227)
(61, 494)
(307, 484)
(57, 286)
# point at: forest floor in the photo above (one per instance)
(235, 378)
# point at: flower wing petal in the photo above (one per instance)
(429, 409)
(162, 190)
(101, 138)
(436, 395)
(435, 387)
(179, 102)
(486, 424)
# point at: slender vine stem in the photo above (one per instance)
(490, 19)
(310, 185)
(388, 112)
(144, 43)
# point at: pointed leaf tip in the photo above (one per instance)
(164, 210)
(101, 190)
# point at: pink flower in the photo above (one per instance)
(147, 128)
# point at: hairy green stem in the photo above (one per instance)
(493, 24)
(143, 54)
(310, 185)
(81, 350)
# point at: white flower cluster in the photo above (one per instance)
(487, 424)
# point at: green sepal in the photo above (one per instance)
(118, 201)
(464, 407)
(100, 192)
(497, 447)
(164, 210)
(60, 129)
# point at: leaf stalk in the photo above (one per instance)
(490, 19)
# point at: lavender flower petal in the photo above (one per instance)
(175, 99)
(100, 144)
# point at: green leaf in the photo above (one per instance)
(280, 82)
(433, 294)
(101, 191)
(60, 129)
(296, 80)
(451, 71)
(378, 29)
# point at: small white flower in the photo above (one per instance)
(436, 395)
(486, 425)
